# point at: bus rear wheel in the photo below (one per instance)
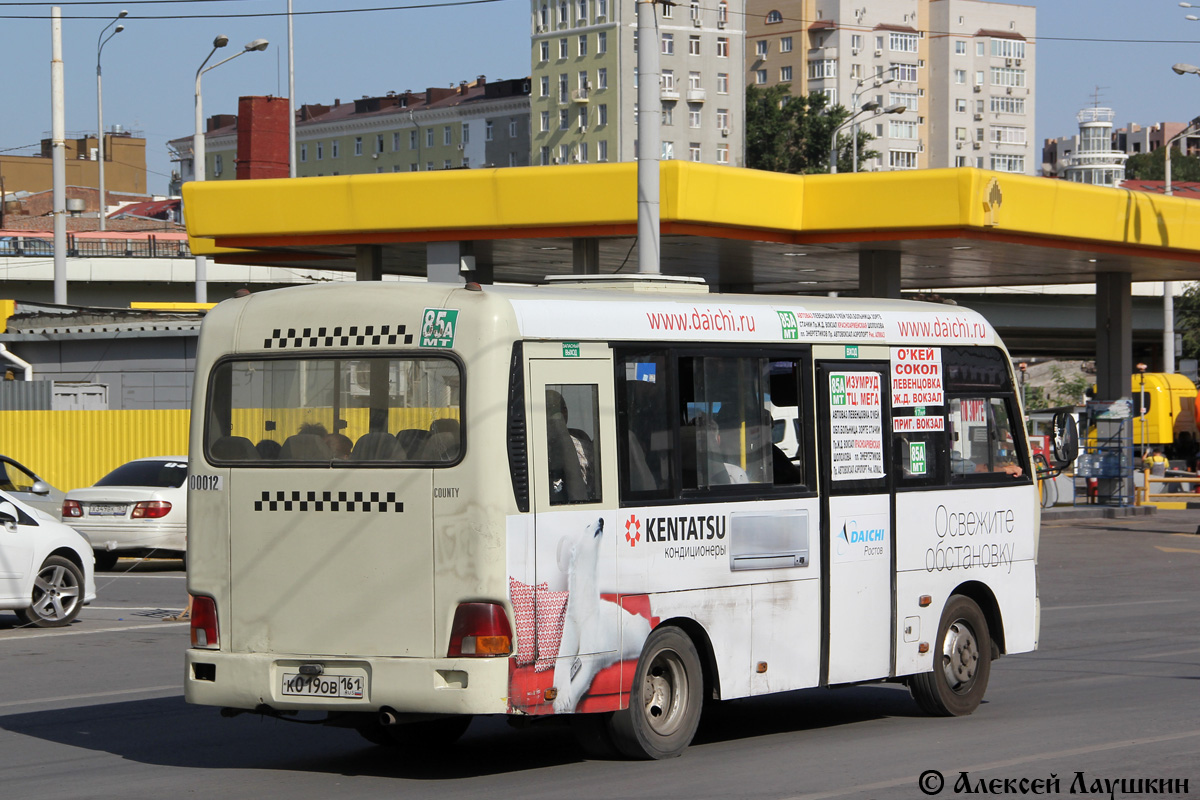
(962, 662)
(665, 700)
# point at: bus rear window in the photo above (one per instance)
(335, 410)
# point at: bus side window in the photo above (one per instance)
(645, 422)
(573, 446)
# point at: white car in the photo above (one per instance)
(46, 570)
(24, 485)
(138, 509)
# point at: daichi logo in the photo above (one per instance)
(633, 530)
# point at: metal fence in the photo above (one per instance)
(26, 395)
(149, 247)
(71, 449)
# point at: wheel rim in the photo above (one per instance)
(665, 692)
(55, 593)
(960, 656)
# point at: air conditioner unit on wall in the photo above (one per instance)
(878, 53)
(724, 131)
(978, 117)
(977, 88)
(976, 145)
(697, 22)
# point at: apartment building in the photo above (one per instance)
(962, 69)
(475, 124)
(584, 81)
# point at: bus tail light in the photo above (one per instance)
(72, 508)
(204, 623)
(480, 630)
(150, 509)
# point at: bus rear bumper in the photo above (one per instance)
(406, 685)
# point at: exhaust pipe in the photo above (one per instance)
(388, 717)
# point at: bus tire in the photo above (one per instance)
(962, 662)
(417, 735)
(665, 700)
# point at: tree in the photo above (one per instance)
(794, 134)
(1152, 166)
(1187, 316)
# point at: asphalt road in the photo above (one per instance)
(96, 710)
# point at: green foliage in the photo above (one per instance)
(1187, 318)
(794, 134)
(1066, 391)
(1153, 167)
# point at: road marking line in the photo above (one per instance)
(1175, 549)
(91, 695)
(25, 637)
(1012, 762)
(126, 608)
(150, 576)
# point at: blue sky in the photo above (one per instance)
(149, 69)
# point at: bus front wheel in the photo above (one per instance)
(665, 699)
(962, 662)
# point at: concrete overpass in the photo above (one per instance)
(871, 234)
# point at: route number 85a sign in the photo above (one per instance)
(437, 327)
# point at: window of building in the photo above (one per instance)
(1008, 48)
(583, 152)
(760, 48)
(902, 42)
(785, 44)
(583, 115)
(693, 115)
(785, 74)
(395, 141)
(564, 119)
(693, 81)
(320, 150)
(602, 78)
(602, 8)
(904, 72)
(412, 139)
(907, 99)
(447, 135)
(856, 42)
(466, 133)
(512, 160)
(512, 127)
(602, 42)
(668, 151)
(563, 92)
(563, 19)
(856, 71)
(1007, 104)
(902, 129)
(980, 49)
(447, 165)
(879, 43)
(722, 118)
(414, 167)
(722, 83)
(960, 76)
(379, 143)
(722, 12)
(487, 131)
(668, 10)
(304, 152)
(830, 95)
(1007, 134)
(668, 115)
(545, 50)
(545, 86)
(668, 44)
(602, 114)
(693, 45)
(722, 154)
(960, 105)
(466, 162)
(668, 79)
(544, 155)
(564, 153)
(602, 150)
(545, 121)
(694, 151)
(544, 16)
(358, 151)
(429, 136)
(583, 45)
(760, 76)
(1008, 76)
(582, 17)
(960, 161)
(562, 48)
(960, 48)
(823, 68)
(960, 134)
(583, 83)
(722, 47)
(979, 134)
(902, 159)
(774, 17)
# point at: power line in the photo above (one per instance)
(264, 14)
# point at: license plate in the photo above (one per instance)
(97, 510)
(351, 686)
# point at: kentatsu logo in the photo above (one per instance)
(633, 530)
(677, 529)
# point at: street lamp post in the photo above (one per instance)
(877, 80)
(869, 106)
(198, 165)
(100, 42)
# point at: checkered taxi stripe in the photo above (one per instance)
(328, 501)
(341, 336)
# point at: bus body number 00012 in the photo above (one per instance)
(324, 685)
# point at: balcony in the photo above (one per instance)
(697, 95)
(670, 93)
(580, 96)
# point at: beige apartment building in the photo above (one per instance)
(962, 69)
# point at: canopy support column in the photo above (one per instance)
(1114, 366)
(585, 254)
(368, 262)
(446, 261)
(879, 273)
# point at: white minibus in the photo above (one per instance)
(411, 503)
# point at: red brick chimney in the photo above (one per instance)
(262, 140)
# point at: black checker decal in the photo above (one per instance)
(329, 501)
(358, 336)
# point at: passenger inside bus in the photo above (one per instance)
(572, 463)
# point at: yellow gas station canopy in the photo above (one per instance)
(758, 231)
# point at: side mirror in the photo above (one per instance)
(1064, 442)
(8, 516)
(40, 487)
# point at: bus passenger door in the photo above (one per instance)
(572, 457)
(856, 529)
